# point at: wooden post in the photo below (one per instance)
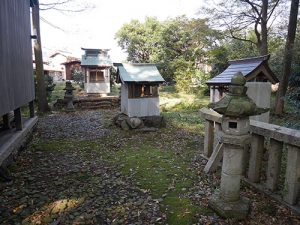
(18, 119)
(6, 123)
(274, 164)
(31, 109)
(257, 147)
(214, 159)
(208, 138)
(292, 175)
(41, 88)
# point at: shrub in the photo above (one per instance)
(190, 79)
(78, 77)
(49, 86)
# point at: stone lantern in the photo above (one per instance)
(69, 96)
(236, 107)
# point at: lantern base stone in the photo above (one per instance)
(238, 209)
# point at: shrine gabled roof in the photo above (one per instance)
(96, 57)
(95, 61)
(248, 67)
(138, 72)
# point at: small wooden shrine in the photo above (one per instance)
(139, 89)
(96, 64)
(259, 78)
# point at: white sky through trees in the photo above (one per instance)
(96, 27)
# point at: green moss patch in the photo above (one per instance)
(165, 175)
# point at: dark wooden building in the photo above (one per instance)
(73, 64)
(16, 78)
(16, 71)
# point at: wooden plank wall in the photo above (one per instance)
(143, 107)
(16, 72)
(124, 99)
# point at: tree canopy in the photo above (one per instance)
(237, 17)
(179, 45)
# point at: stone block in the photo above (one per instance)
(232, 160)
(256, 154)
(230, 187)
(274, 164)
(154, 121)
(134, 122)
(292, 176)
(235, 140)
(235, 126)
(238, 209)
(217, 133)
(208, 138)
(124, 125)
(276, 132)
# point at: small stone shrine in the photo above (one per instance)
(69, 96)
(236, 107)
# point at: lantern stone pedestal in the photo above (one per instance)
(227, 202)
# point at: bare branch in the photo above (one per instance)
(64, 6)
(273, 9)
(232, 35)
(55, 3)
(51, 24)
(253, 6)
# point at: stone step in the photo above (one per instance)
(94, 104)
(98, 107)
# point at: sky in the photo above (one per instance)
(96, 27)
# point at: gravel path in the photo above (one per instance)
(54, 185)
(83, 125)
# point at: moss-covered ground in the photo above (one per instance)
(125, 177)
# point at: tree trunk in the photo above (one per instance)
(288, 57)
(263, 50)
(41, 87)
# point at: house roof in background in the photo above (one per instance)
(139, 72)
(248, 67)
(71, 61)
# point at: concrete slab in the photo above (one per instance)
(10, 142)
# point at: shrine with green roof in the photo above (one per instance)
(139, 89)
(96, 64)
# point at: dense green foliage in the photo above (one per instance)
(49, 85)
(184, 48)
(179, 45)
(140, 39)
